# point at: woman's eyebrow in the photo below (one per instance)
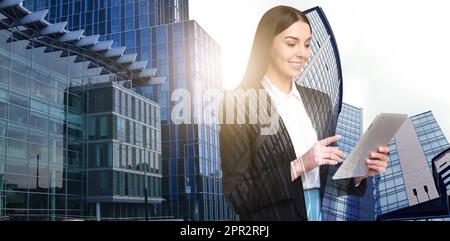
(297, 39)
(291, 37)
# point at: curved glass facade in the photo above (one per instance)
(45, 135)
(41, 126)
(323, 71)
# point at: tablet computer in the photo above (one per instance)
(379, 133)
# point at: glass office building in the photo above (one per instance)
(46, 73)
(430, 135)
(40, 133)
(191, 160)
(323, 73)
(159, 31)
(123, 142)
(348, 208)
(408, 180)
(192, 177)
(407, 189)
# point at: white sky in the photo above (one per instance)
(394, 54)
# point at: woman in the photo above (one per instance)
(281, 176)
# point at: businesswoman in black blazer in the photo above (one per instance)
(281, 175)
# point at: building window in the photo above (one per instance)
(129, 23)
(40, 89)
(98, 155)
(121, 129)
(91, 128)
(39, 121)
(161, 35)
(17, 148)
(20, 82)
(4, 73)
(3, 109)
(104, 127)
(18, 114)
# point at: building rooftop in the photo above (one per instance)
(27, 25)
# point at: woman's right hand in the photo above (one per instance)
(319, 154)
(323, 154)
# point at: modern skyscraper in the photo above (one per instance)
(159, 31)
(407, 189)
(323, 71)
(412, 150)
(348, 208)
(191, 160)
(49, 78)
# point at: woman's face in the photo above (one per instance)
(290, 50)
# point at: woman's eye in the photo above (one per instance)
(291, 45)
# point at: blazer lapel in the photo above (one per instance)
(309, 96)
(306, 95)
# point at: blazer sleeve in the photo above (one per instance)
(250, 184)
(256, 176)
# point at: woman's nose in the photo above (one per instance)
(302, 52)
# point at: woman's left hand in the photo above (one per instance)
(378, 161)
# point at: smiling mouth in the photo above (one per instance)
(296, 65)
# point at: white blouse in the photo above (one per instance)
(298, 124)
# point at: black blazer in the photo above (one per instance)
(256, 168)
